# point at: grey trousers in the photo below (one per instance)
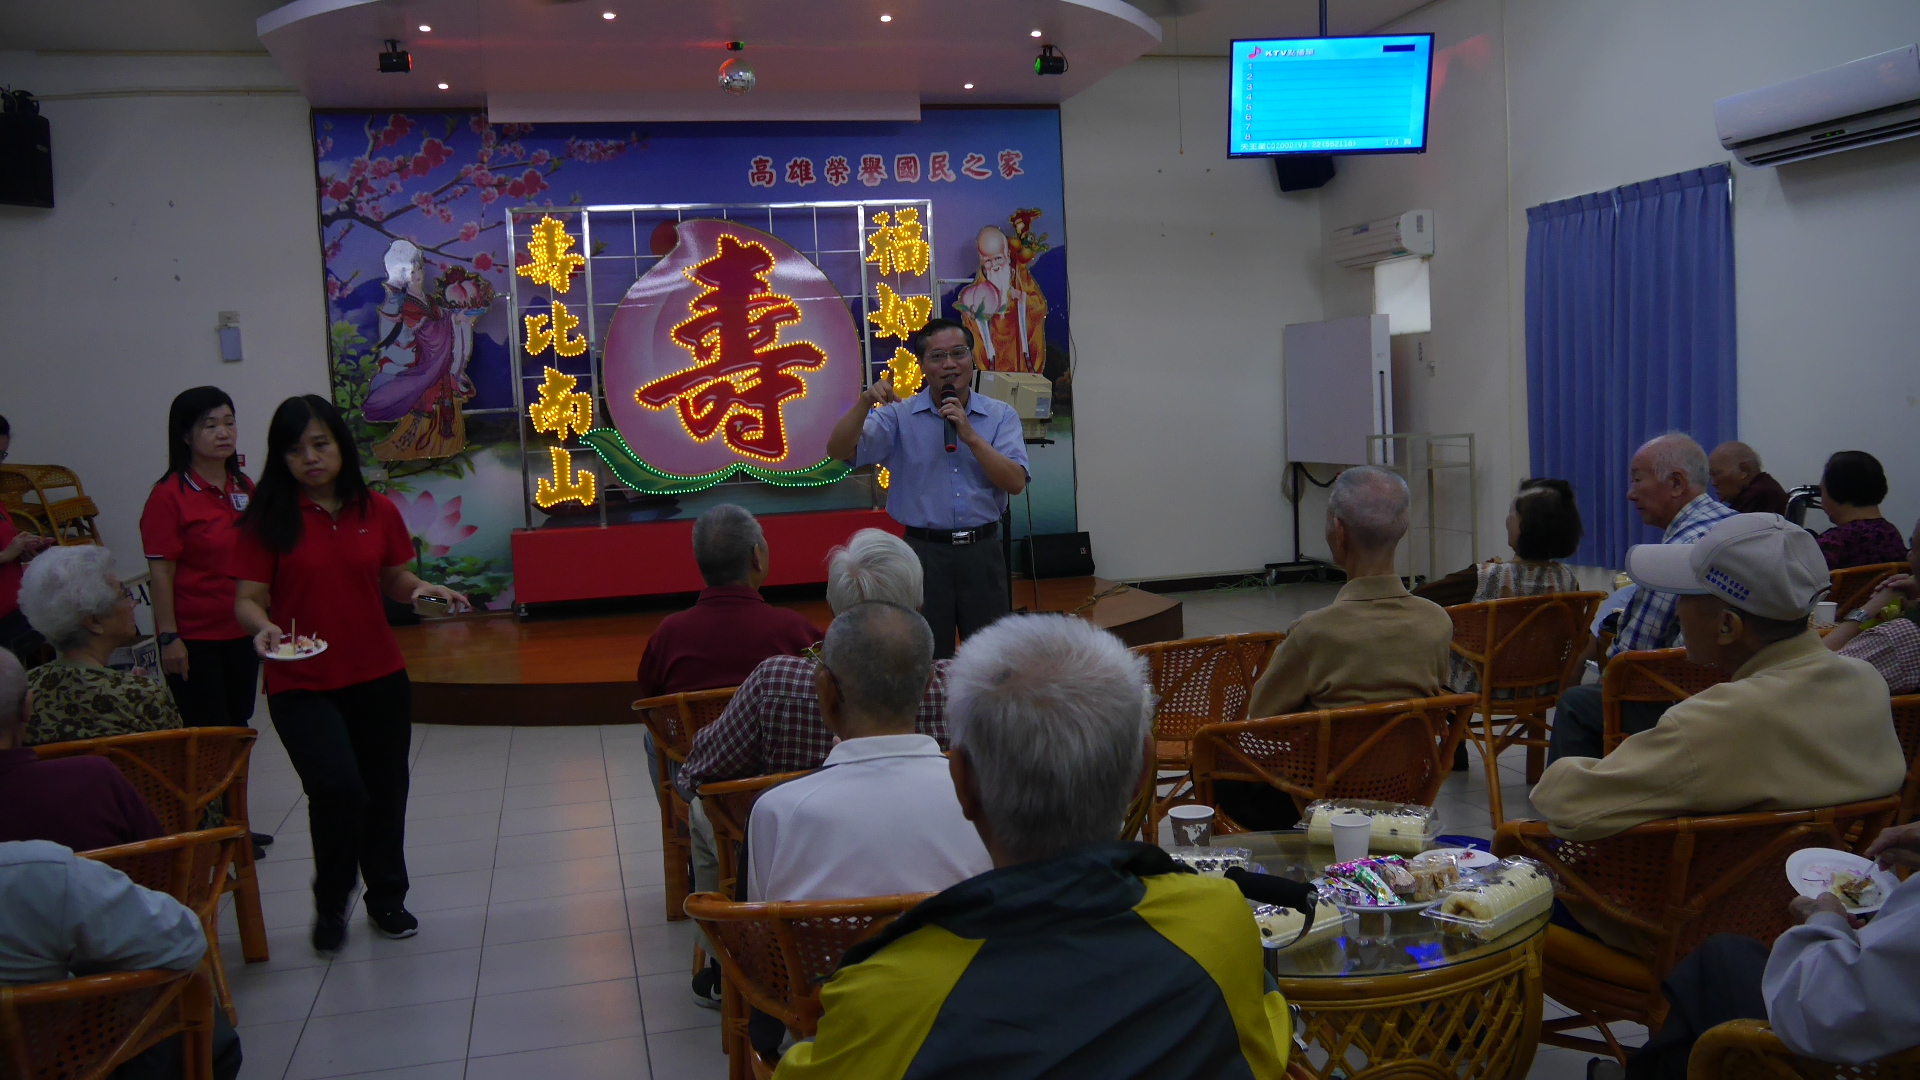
(966, 588)
(1578, 729)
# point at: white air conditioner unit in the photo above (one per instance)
(1872, 100)
(1360, 246)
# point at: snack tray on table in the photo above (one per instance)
(1398, 828)
(1508, 894)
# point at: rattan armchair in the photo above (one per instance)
(180, 773)
(728, 806)
(1527, 648)
(773, 957)
(1394, 751)
(1852, 586)
(1749, 1050)
(83, 1029)
(1648, 675)
(192, 868)
(1906, 724)
(1196, 682)
(674, 719)
(69, 520)
(1665, 886)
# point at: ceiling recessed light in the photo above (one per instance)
(608, 15)
(425, 29)
(1036, 33)
(969, 86)
(886, 18)
(443, 86)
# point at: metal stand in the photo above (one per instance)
(1301, 568)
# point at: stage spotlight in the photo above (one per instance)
(1049, 62)
(736, 75)
(395, 61)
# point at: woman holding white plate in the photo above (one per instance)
(316, 556)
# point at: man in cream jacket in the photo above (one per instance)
(1796, 727)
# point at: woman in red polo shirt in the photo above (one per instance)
(15, 549)
(317, 554)
(187, 530)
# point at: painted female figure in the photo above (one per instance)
(426, 340)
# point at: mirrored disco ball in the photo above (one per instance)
(736, 76)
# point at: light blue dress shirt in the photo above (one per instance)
(66, 916)
(932, 489)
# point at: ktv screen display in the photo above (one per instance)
(1334, 95)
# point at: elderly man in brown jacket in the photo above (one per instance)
(1797, 727)
(1375, 642)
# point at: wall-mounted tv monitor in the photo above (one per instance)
(1333, 95)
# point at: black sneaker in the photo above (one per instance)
(1461, 763)
(329, 931)
(261, 840)
(706, 986)
(398, 923)
(1605, 1068)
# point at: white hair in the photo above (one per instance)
(1052, 715)
(13, 690)
(1373, 503)
(63, 587)
(881, 655)
(1676, 452)
(874, 565)
(724, 540)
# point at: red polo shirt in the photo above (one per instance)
(719, 641)
(329, 586)
(11, 572)
(191, 524)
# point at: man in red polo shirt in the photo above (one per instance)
(730, 628)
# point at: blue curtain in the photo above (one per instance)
(1630, 333)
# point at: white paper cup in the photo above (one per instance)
(1350, 835)
(1192, 826)
(1826, 613)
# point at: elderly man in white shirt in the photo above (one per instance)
(880, 817)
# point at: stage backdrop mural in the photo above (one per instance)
(654, 229)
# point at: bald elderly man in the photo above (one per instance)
(1741, 483)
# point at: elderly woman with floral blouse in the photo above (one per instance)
(72, 596)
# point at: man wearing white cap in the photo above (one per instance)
(1796, 727)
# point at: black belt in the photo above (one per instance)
(955, 536)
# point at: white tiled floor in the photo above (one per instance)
(544, 948)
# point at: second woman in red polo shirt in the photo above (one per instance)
(316, 548)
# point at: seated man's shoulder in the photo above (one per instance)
(16, 853)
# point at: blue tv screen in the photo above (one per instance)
(1335, 95)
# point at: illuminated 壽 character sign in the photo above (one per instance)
(742, 376)
(732, 354)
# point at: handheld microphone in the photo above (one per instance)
(948, 393)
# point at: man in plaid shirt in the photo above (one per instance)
(773, 723)
(1668, 485)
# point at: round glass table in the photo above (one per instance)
(1397, 994)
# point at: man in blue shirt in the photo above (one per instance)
(948, 490)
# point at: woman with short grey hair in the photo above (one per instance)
(875, 565)
(72, 596)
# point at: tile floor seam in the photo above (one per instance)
(626, 911)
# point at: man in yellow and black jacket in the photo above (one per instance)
(1077, 956)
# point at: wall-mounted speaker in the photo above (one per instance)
(1303, 172)
(26, 153)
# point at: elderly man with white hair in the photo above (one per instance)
(73, 598)
(1078, 954)
(1375, 642)
(773, 723)
(1668, 485)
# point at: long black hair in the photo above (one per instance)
(274, 513)
(189, 408)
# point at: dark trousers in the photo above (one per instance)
(1577, 727)
(966, 588)
(161, 1061)
(350, 748)
(1718, 982)
(1257, 807)
(222, 680)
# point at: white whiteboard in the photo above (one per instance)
(1339, 388)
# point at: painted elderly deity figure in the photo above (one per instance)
(426, 339)
(1004, 308)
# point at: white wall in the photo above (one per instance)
(168, 209)
(1185, 268)
(1600, 94)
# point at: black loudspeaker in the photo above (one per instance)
(26, 159)
(1303, 172)
(1060, 555)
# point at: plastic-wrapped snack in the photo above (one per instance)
(1406, 828)
(1368, 882)
(1509, 893)
(1212, 861)
(1433, 872)
(1280, 926)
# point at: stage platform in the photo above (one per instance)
(497, 669)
